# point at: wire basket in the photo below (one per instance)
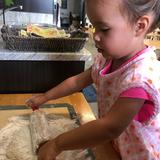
(13, 41)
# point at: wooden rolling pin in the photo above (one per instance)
(39, 129)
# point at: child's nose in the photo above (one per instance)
(96, 37)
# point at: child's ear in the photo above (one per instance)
(142, 25)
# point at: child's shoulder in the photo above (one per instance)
(146, 60)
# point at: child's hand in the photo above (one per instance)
(35, 101)
(48, 151)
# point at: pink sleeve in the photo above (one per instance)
(147, 109)
(137, 92)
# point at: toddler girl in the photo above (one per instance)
(127, 77)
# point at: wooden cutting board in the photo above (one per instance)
(7, 112)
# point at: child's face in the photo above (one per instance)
(113, 35)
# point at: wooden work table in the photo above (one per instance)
(77, 100)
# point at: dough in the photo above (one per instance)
(15, 139)
(20, 148)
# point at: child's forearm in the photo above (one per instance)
(70, 85)
(88, 135)
(63, 89)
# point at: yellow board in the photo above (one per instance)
(8, 113)
(77, 100)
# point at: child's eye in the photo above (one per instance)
(105, 29)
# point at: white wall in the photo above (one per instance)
(18, 18)
(25, 17)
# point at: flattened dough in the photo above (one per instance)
(19, 145)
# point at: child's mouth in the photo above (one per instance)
(100, 50)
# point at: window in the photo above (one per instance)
(64, 4)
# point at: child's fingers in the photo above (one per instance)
(30, 103)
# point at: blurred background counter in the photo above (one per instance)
(35, 72)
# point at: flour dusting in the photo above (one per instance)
(15, 138)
